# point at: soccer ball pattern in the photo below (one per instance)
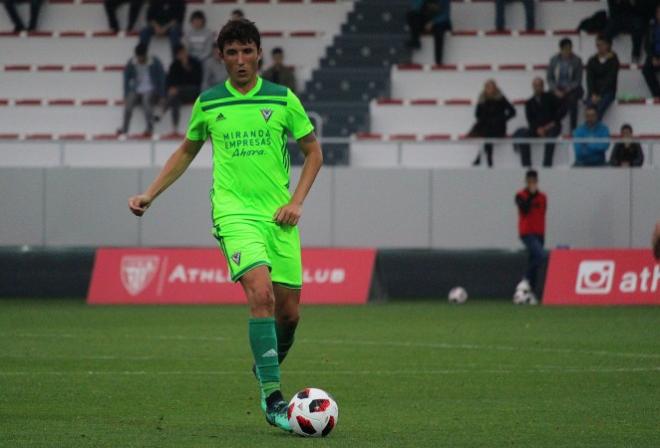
(313, 413)
(458, 295)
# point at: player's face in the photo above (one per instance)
(242, 61)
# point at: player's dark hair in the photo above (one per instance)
(242, 31)
(277, 50)
(199, 14)
(140, 49)
(565, 42)
(532, 174)
(626, 126)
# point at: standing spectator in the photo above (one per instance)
(280, 73)
(627, 16)
(652, 64)
(542, 112)
(237, 14)
(564, 77)
(591, 154)
(627, 153)
(493, 111)
(529, 14)
(532, 207)
(35, 6)
(602, 76)
(199, 39)
(432, 16)
(133, 13)
(214, 70)
(164, 17)
(144, 83)
(184, 81)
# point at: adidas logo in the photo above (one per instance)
(270, 354)
(220, 117)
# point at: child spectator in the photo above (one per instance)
(627, 153)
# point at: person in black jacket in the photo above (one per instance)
(602, 76)
(184, 81)
(627, 16)
(493, 111)
(652, 64)
(627, 153)
(164, 18)
(543, 112)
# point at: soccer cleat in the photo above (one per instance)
(276, 411)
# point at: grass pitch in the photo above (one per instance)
(404, 375)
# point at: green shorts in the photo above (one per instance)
(248, 244)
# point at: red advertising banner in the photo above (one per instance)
(200, 276)
(602, 277)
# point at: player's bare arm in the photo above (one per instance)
(290, 213)
(178, 162)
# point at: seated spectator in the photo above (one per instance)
(19, 25)
(214, 70)
(133, 13)
(627, 153)
(627, 16)
(280, 73)
(529, 14)
(652, 64)
(199, 39)
(493, 111)
(543, 117)
(591, 154)
(184, 80)
(432, 16)
(602, 76)
(144, 84)
(237, 14)
(164, 17)
(565, 80)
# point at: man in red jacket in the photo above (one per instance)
(532, 205)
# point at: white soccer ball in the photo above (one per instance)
(458, 295)
(521, 297)
(313, 413)
(524, 294)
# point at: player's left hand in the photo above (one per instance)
(288, 215)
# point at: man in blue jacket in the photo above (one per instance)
(144, 84)
(591, 154)
(429, 16)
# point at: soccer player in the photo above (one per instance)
(254, 216)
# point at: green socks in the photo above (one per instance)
(263, 342)
(284, 340)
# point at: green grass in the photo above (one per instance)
(404, 375)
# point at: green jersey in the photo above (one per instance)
(250, 157)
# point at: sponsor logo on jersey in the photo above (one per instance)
(266, 113)
(137, 272)
(236, 258)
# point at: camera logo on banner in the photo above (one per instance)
(138, 271)
(595, 277)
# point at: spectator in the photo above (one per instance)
(532, 206)
(280, 73)
(493, 111)
(199, 39)
(565, 80)
(542, 112)
(133, 13)
(144, 83)
(591, 154)
(164, 17)
(237, 14)
(214, 70)
(529, 14)
(35, 6)
(627, 16)
(652, 64)
(184, 81)
(431, 16)
(602, 76)
(627, 153)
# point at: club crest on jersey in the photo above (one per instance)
(220, 117)
(236, 258)
(266, 113)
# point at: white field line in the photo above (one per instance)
(411, 344)
(331, 372)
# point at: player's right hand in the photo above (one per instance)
(139, 204)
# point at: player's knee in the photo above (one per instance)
(262, 301)
(289, 318)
